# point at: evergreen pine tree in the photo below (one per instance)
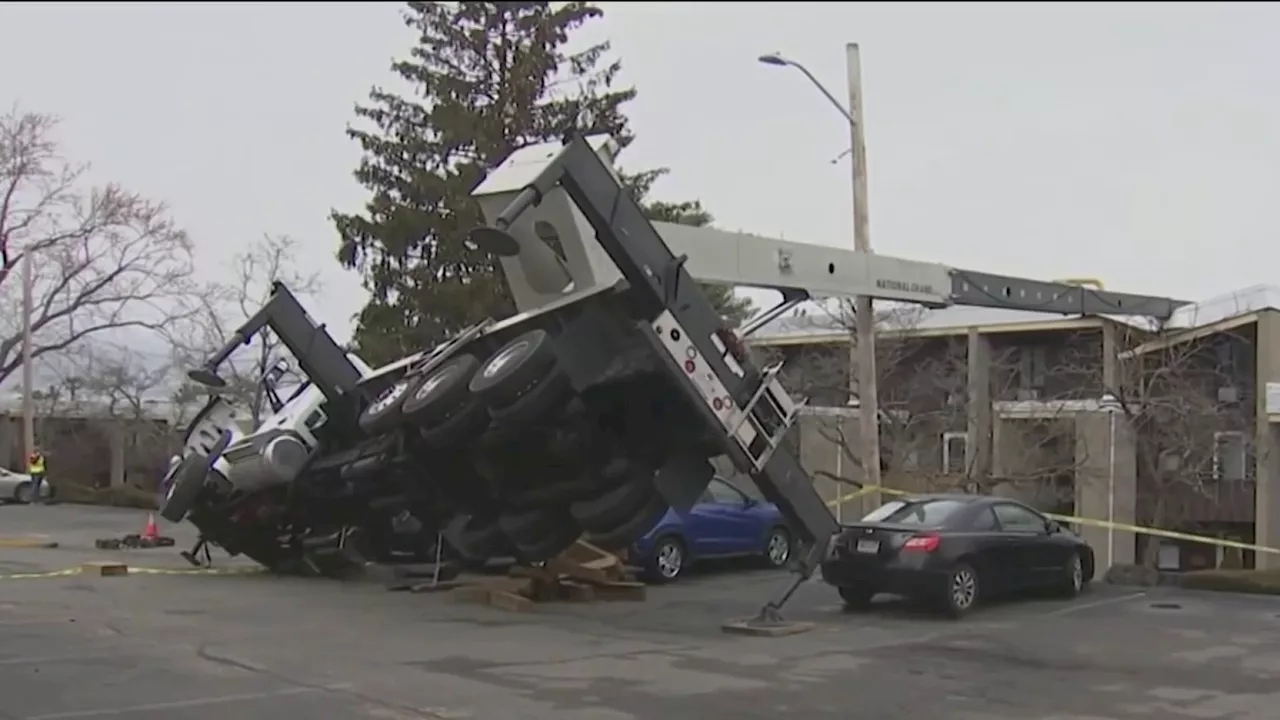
(732, 308)
(488, 78)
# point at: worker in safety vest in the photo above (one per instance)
(35, 468)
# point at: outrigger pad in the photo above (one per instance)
(765, 628)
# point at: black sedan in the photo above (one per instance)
(953, 551)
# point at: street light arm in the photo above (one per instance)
(827, 93)
(823, 89)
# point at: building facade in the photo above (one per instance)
(1096, 417)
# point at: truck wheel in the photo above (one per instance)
(625, 535)
(614, 507)
(468, 424)
(384, 413)
(515, 369)
(475, 538)
(549, 545)
(529, 526)
(556, 494)
(547, 395)
(441, 394)
(184, 491)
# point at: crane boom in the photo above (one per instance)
(797, 269)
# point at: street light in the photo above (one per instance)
(1110, 404)
(866, 347)
(777, 60)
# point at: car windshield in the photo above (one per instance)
(926, 513)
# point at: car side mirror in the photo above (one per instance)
(1050, 527)
(749, 503)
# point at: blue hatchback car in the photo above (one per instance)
(725, 522)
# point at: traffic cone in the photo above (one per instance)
(150, 532)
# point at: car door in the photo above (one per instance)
(721, 523)
(1024, 536)
(997, 550)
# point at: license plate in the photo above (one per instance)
(868, 546)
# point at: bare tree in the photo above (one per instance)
(103, 258)
(924, 410)
(1192, 421)
(225, 305)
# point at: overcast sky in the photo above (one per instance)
(1136, 143)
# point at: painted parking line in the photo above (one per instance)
(1101, 602)
(184, 704)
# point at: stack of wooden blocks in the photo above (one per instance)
(583, 573)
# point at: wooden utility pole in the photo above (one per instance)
(864, 352)
(28, 373)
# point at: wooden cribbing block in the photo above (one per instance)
(577, 592)
(105, 569)
(577, 571)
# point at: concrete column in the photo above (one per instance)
(1266, 511)
(1095, 483)
(978, 408)
(1110, 358)
(7, 438)
(115, 438)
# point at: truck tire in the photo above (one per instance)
(440, 394)
(549, 545)
(474, 538)
(515, 369)
(625, 535)
(184, 491)
(384, 413)
(529, 526)
(546, 396)
(612, 508)
(467, 424)
(556, 494)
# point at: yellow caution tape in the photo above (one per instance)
(1123, 527)
(137, 571)
(27, 542)
(35, 575)
(251, 570)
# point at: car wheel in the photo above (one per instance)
(962, 590)
(1072, 584)
(667, 561)
(857, 597)
(777, 548)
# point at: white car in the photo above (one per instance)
(16, 487)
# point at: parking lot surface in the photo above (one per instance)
(189, 647)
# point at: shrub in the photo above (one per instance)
(123, 496)
(1258, 582)
(1132, 575)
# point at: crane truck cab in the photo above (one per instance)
(253, 459)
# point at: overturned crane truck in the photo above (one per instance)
(591, 411)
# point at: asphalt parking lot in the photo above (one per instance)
(188, 647)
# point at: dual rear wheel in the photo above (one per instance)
(519, 386)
